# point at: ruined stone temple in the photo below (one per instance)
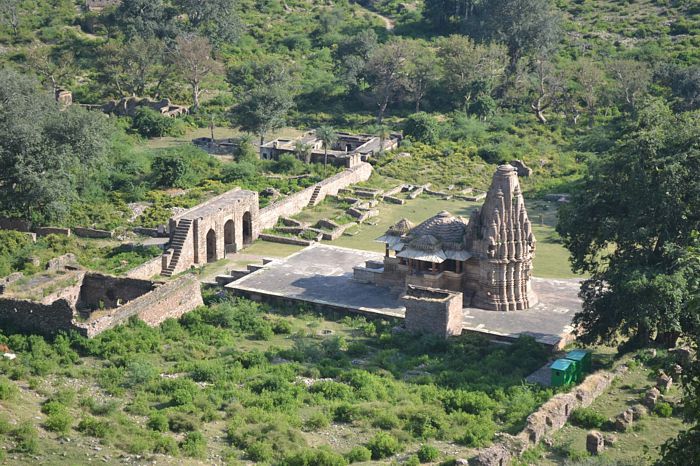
(488, 258)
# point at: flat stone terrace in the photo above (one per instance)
(322, 275)
(215, 204)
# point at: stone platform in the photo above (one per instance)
(322, 275)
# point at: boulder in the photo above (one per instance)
(624, 420)
(651, 397)
(638, 411)
(610, 439)
(664, 382)
(595, 443)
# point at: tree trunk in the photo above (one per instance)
(195, 97)
(325, 159)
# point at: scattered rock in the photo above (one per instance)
(610, 439)
(638, 411)
(624, 420)
(651, 397)
(595, 442)
(664, 382)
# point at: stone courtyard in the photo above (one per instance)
(323, 275)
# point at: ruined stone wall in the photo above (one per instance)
(92, 233)
(550, 417)
(294, 203)
(147, 270)
(28, 316)
(433, 311)
(105, 292)
(16, 224)
(169, 300)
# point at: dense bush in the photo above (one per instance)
(150, 123)
(663, 409)
(194, 445)
(383, 445)
(358, 454)
(427, 453)
(587, 418)
(422, 127)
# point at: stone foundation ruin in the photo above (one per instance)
(91, 303)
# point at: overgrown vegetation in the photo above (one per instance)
(264, 377)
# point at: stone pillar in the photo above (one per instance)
(595, 443)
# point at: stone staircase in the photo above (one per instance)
(179, 238)
(314, 196)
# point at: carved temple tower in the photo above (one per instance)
(500, 235)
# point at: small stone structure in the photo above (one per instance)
(487, 258)
(348, 151)
(433, 311)
(94, 303)
(595, 442)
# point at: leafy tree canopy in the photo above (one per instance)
(629, 225)
(47, 155)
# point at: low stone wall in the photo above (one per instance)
(147, 270)
(285, 240)
(167, 301)
(45, 231)
(92, 233)
(16, 224)
(550, 417)
(9, 280)
(294, 203)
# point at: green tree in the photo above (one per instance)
(145, 18)
(216, 19)
(628, 225)
(422, 127)
(470, 68)
(328, 137)
(266, 90)
(523, 26)
(47, 156)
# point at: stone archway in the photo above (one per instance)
(212, 255)
(229, 236)
(247, 228)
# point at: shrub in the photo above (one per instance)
(427, 453)
(346, 412)
(383, 445)
(59, 420)
(317, 420)
(94, 427)
(412, 461)
(587, 418)
(663, 409)
(165, 445)
(194, 445)
(422, 127)
(317, 457)
(150, 123)
(478, 431)
(26, 438)
(158, 421)
(386, 421)
(259, 451)
(180, 422)
(7, 389)
(282, 327)
(358, 454)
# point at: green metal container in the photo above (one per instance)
(563, 372)
(583, 357)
